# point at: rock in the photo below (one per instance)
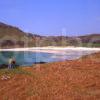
(5, 77)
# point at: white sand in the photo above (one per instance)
(53, 49)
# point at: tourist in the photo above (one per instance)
(10, 63)
(13, 63)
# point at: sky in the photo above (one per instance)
(52, 17)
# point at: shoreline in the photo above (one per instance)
(79, 79)
(52, 49)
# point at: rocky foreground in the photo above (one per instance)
(68, 80)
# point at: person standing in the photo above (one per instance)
(13, 62)
(10, 63)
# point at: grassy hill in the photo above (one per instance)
(91, 40)
(13, 37)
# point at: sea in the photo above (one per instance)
(28, 58)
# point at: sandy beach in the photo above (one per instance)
(53, 49)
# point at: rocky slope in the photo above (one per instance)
(11, 37)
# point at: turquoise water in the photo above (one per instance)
(29, 58)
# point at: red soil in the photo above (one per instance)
(68, 80)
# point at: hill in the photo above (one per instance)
(13, 37)
(91, 40)
(74, 80)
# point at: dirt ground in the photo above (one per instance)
(67, 80)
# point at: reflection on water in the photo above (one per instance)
(29, 58)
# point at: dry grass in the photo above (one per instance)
(68, 80)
